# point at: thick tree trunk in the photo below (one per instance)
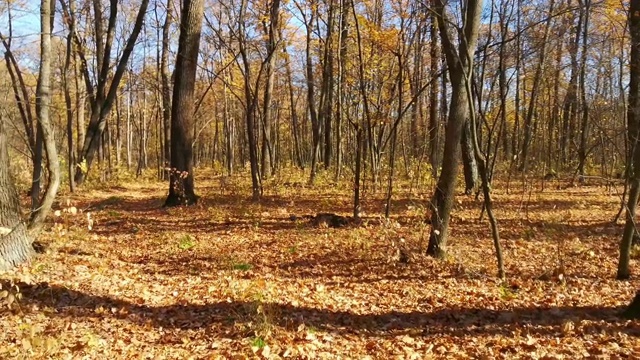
(633, 137)
(15, 243)
(181, 184)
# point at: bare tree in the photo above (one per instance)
(459, 59)
(102, 94)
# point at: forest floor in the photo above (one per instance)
(125, 278)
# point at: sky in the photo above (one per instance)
(26, 21)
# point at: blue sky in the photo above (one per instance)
(26, 22)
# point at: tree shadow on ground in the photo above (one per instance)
(455, 321)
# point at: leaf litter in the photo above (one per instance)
(229, 278)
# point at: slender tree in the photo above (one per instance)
(102, 94)
(459, 59)
(166, 86)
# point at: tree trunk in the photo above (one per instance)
(469, 163)
(267, 143)
(71, 151)
(297, 152)
(311, 97)
(633, 137)
(102, 95)
(537, 80)
(460, 64)
(166, 88)
(181, 184)
(434, 64)
(327, 86)
(570, 105)
(36, 175)
(250, 107)
(584, 128)
(343, 35)
(15, 242)
(43, 101)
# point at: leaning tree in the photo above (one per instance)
(459, 57)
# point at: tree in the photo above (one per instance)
(535, 91)
(272, 31)
(15, 242)
(166, 87)
(469, 163)
(24, 103)
(43, 102)
(633, 137)
(102, 94)
(181, 185)
(15, 237)
(251, 105)
(460, 63)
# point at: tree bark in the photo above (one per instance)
(633, 137)
(250, 106)
(434, 64)
(311, 97)
(166, 88)
(15, 242)
(297, 152)
(460, 64)
(584, 128)
(469, 163)
(181, 184)
(66, 71)
(43, 101)
(267, 143)
(326, 104)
